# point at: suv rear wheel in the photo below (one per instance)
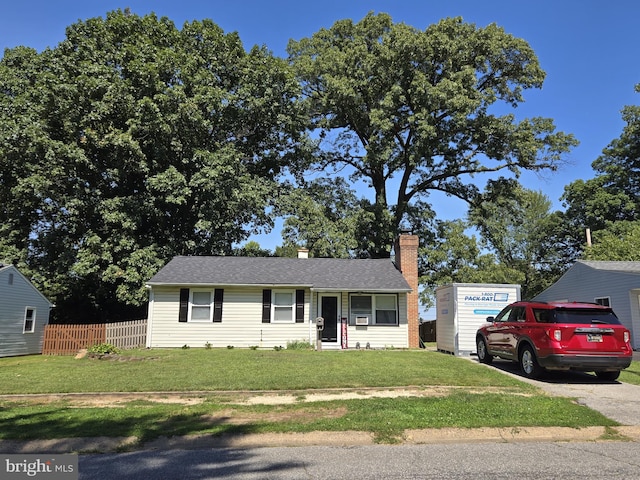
(483, 354)
(609, 376)
(529, 363)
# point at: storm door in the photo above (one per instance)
(329, 311)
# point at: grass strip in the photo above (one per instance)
(386, 418)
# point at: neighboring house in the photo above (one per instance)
(616, 284)
(269, 301)
(24, 312)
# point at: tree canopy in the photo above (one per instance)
(613, 195)
(509, 237)
(130, 142)
(618, 241)
(420, 108)
(133, 141)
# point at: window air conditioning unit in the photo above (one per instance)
(362, 320)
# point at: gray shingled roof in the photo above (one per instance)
(613, 266)
(316, 273)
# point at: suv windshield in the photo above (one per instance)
(583, 316)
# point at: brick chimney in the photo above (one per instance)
(406, 250)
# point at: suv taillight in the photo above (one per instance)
(626, 336)
(555, 334)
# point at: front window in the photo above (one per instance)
(29, 320)
(376, 309)
(385, 309)
(200, 306)
(283, 306)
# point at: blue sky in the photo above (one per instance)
(589, 50)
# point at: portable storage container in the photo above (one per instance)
(463, 307)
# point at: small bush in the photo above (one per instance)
(207, 346)
(299, 345)
(185, 346)
(253, 347)
(229, 347)
(104, 349)
(277, 348)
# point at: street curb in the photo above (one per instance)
(338, 439)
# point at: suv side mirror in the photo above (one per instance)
(491, 319)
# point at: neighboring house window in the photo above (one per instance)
(11, 279)
(200, 305)
(606, 301)
(282, 306)
(378, 309)
(29, 320)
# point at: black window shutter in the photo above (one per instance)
(299, 306)
(218, 294)
(184, 305)
(266, 306)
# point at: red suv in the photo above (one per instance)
(557, 336)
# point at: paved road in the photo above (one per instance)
(615, 400)
(496, 461)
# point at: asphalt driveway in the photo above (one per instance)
(616, 400)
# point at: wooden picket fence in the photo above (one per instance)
(132, 334)
(69, 339)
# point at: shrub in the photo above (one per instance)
(299, 345)
(104, 349)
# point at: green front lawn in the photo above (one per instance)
(237, 369)
(471, 404)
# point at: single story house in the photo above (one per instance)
(268, 301)
(24, 312)
(616, 284)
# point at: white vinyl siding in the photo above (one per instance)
(241, 325)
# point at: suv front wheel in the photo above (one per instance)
(529, 363)
(483, 354)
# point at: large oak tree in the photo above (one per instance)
(423, 109)
(130, 142)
